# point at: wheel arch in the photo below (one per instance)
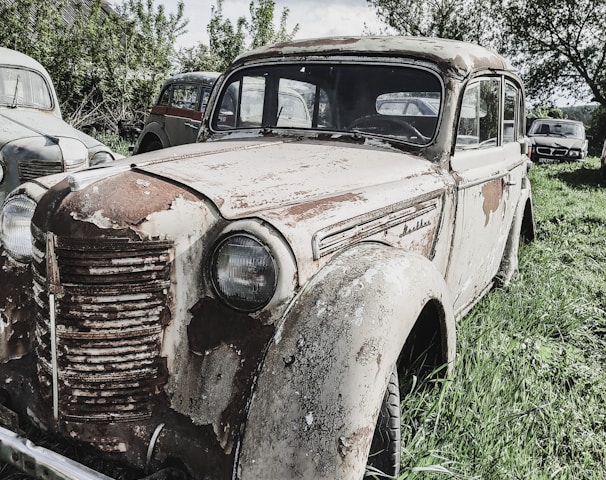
(152, 131)
(523, 228)
(329, 363)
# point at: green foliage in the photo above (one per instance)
(106, 68)
(227, 41)
(543, 111)
(471, 21)
(527, 396)
(559, 44)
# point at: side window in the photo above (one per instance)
(510, 113)
(164, 98)
(185, 96)
(479, 121)
(205, 96)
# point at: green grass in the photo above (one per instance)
(528, 396)
(116, 143)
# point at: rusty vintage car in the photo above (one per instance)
(248, 306)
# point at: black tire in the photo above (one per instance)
(385, 448)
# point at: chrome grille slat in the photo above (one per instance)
(110, 303)
(30, 169)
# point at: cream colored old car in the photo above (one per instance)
(34, 139)
(248, 306)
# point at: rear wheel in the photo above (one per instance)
(385, 448)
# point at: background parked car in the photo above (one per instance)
(176, 116)
(557, 140)
(34, 139)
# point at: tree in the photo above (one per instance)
(105, 66)
(228, 40)
(560, 45)
(471, 20)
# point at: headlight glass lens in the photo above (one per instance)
(15, 231)
(243, 272)
(1, 171)
(101, 157)
(74, 152)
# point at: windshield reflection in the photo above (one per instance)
(402, 103)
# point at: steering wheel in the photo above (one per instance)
(387, 125)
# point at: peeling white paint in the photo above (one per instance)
(309, 419)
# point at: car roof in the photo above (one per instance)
(193, 77)
(15, 58)
(459, 58)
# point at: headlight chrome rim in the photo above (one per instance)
(15, 226)
(244, 286)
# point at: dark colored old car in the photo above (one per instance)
(556, 140)
(249, 306)
(34, 139)
(176, 117)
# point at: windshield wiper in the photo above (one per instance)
(14, 104)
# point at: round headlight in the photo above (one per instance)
(15, 222)
(74, 152)
(1, 171)
(101, 157)
(243, 272)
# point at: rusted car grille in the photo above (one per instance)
(32, 169)
(110, 300)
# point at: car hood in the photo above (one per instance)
(555, 141)
(268, 177)
(22, 123)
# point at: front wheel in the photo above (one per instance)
(385, 448)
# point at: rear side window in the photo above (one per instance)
(479, 121)
(185, 96)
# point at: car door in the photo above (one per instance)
(183, 117)
(488, 167)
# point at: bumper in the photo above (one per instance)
(40, 462)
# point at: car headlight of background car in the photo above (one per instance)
(74, 152)
(2, 169)
(101, 157)
(15, 226)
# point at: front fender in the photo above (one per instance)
(314, 408)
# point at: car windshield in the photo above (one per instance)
(399, 102)
(557, 129)
(23, 88)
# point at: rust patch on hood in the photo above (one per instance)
(130, 197)
(493, 194)
(309, 210)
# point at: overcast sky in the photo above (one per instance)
(316, 18)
